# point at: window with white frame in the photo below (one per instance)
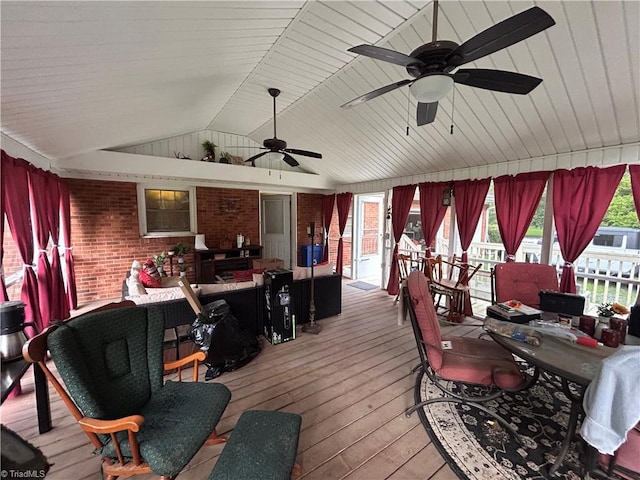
(165, 211)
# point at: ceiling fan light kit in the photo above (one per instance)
(432, 65)
(431, 88)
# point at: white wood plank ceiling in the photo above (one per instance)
(83, 76)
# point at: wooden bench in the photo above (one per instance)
(263, 445)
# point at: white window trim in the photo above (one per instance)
(142, 210)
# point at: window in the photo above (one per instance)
(166, 212)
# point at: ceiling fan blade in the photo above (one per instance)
(376, 93)
(502, 35)
(306, 153)
(386, 55)
(290, 160)
(497, 80)
(255, 157)
(426, 113)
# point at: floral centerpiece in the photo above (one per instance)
(607, 309)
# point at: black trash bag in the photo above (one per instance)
(218, 332)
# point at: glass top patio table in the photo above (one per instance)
(568, 360)
(572, 363)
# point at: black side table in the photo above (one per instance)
(10, 375)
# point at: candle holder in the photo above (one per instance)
(312, 326)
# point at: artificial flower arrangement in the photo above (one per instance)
(607, 309)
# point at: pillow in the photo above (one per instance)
(246, 275)
(149, 275)
(135, 286)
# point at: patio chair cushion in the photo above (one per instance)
(523, 282)
(263, 445)
(165, 426)
(482, 362)
(111, 366)
(470, 360)
(427, 318)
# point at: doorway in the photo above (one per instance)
(275, 227)
(367, 255)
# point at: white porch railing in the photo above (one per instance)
(407, 247)
(612, 275)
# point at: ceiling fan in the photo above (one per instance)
(431, 64)
(276, 145)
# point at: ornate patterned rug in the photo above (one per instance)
(476, 447)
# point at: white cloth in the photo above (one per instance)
(612, 401)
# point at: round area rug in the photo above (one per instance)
(476, 447)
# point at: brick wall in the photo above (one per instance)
(106, 237)
(217, 220)
(309, 210)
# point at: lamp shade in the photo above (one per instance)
(431, 88)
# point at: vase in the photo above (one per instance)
(603, 323)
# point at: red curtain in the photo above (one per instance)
(343, 201)
(634, 173)
(516, 200)
(3, 288)
(469, 200)
(65, 219)
(581, 198)
(39, 204)
(15, 190)
(59, 307)
(431, 210)
(327, 212)
(400, 207)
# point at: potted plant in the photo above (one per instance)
(225, 157)
(184, 268)
(159, 262)
(210, 150)
(180, 250)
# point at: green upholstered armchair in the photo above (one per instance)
(111, 364)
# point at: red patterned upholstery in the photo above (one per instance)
(627, 456)
(523, 281)
(470, 360)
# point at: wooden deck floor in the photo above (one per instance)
(351, 384)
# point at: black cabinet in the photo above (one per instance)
(218, 261)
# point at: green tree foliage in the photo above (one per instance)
(622, 210)
(538, 217)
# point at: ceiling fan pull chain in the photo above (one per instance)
(408, 112)
(453, 100)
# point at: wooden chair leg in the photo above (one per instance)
(215, 439)
(296, 471)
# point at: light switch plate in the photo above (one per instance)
(446, 344)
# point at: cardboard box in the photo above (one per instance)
(192, 298)
(268, 263)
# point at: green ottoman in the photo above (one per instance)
(263, 445)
